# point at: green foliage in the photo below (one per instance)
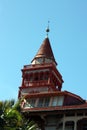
(31, 126)
(11, 117)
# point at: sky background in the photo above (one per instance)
(22, 31)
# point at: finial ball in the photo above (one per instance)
(47, 30)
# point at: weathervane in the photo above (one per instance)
(47, 29)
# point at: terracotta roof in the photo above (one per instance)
(45, 51)
(56, 93)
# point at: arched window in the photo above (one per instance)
(41, 76)
(82, 124)
(69, 125)
(46, 75)
(36, 77)
(31, 77)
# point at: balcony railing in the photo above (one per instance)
(37, 65)
(35, 83)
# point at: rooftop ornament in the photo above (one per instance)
(47, 29)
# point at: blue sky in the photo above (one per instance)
(22, 30)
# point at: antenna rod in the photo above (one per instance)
(48, 30)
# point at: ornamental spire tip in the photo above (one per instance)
(47, 29)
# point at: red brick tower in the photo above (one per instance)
(52, 108)
(42, 75)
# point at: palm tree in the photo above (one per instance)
(2, 122)
(11, 117)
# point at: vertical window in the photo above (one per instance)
(32, 102)
(46, 102)
(46, 75)
(57, 101)
(60, 100)
(40, 104)
(41, 76)
(43, 102)
(54, 103)
(31, 77)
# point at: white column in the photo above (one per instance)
(63, 125)
(75, 125)
(75, 122)
(64, 122)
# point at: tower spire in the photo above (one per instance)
(47, 29)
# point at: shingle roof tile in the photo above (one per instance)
(45, 51)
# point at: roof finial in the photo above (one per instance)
(47, 29)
